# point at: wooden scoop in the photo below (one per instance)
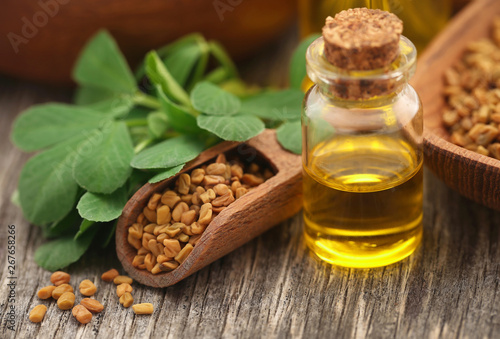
(270, 203)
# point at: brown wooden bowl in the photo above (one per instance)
(270, 203)
(49, 37)
(473, 175)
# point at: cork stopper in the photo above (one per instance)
(362, 39)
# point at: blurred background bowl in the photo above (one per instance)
(42, 38)
(471, 174)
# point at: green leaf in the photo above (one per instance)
(211, 99)
(169, 153)
(220, 54)
(298, 62)
(158, 74)
(47, 190)
(290, 136)
(182, 61)
(102, 164)
(84, 226)
(102, 207)
(45, 125)
(157, 123)
(178, 117)
(282, 105)
(166, 174)
(66, 226)
(102, 65)
(107, 102)
(60, 253)
(234, 127)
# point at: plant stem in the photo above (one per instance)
(136, 122)
(146, 100)
(142, 145)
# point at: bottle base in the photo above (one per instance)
(366, 253)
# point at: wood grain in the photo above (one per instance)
(270, 203)
(272, 287)
(474, 175)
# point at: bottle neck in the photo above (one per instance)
(360, 87)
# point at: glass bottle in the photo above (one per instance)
(422, 18)
(362, 161)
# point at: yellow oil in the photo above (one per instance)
(423, 19)
(363, 200)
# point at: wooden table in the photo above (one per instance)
(271, 287)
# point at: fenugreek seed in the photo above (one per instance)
(138, 260)
(168, 266)
(141, 219)
(188, 217)
(195, 199)
(162, 258)
(156, 269)
(92, 305)
(110, 275)
(87, 288)
(66, 301)
(205, 214)
(195, 208)
(200, 190)
(153, 201)
(134, 242)
(182, 237)
(145, 308)
(235, 185)
(183, 254)
(187, 230)
(194, 239)
(122, 288)
(241, 191)
(187, 198)
(150, 261)
(122, 279)
(142, 251)
(60, 290)
(482, 150)
(197, 228)
(253, 168)
(178, 210)
(184, 182)
(197, 176)
(155, 247)
(81, 314)
(172, 247)
(218, 209)
(126, 300)
(46, 292)
(161, 237)
(251, 180)
(205, 198)
(212, 180)
(37, 313)
(237, 171)
(268, 174)
(216, 169)
(150, 214)
(59, 278)
(224, 200)
(146, 237)
(221, 189)
(149, 228)
(170, 198)
(495, 150)
(136, 230)
(163, 215)
(192, 188)
(174, 229)
(227, 173)
(221, 159)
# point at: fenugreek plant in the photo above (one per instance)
(125, 129)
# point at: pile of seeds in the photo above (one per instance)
(473, 96)
(172, 223)
(62, 291)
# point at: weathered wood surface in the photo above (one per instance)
(271, 287)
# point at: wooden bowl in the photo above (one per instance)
(48, 37)
(270, 203)
(473, 175)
